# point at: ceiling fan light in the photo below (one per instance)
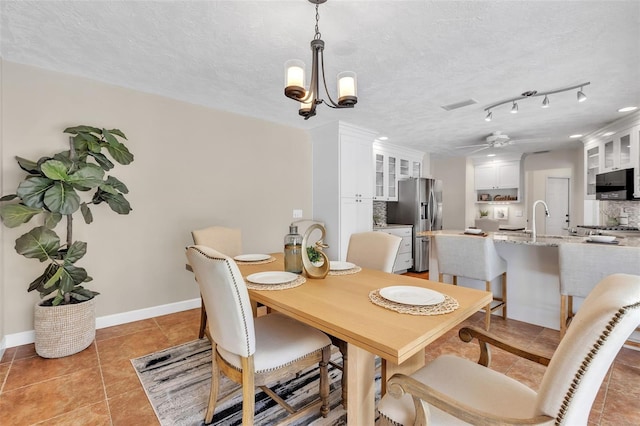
(581, 96)
(514, 108)
(545, 102)
(489, 116)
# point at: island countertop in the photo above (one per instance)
(541, 240)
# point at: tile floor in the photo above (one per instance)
(100, 386)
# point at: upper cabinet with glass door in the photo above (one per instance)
(393, 163)
(613, 147)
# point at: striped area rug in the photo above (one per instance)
(177, 382)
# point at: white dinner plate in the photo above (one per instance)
(601, 238)
(272, 277)
(336, 265)
(252, 257)
(409, 295)
(473, 231)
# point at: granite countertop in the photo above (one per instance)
(392, 225)
(541, 240)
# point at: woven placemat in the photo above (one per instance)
(291, 284)
(449, 305)
(353, 270)
(258, 262)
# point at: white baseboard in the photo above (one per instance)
(26, 337)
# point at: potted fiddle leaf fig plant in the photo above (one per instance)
(54, 188)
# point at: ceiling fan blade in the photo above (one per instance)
(480, 149)
(484, 145)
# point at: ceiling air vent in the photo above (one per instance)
(459, 104)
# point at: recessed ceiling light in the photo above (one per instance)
(383, 138)
(491, 155)
(609, 134)
(627, 109)
(575, 136)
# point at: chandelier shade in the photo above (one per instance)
(309, 96)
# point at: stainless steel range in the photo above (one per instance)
(630, 231)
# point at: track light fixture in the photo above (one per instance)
(534, 93)
(310, 98)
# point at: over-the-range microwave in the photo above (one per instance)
(615, 185)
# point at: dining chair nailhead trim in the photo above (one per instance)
(568, 398)
(237, 291)
(293, 361)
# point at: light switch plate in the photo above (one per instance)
(297, 213)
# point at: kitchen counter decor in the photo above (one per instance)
(319, 266)
(448, 305)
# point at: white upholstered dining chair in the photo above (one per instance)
(253, 351)
(373, 250)
(473, 257)
(583, 265)
(453, 390)
(223, 239)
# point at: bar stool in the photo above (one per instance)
(583, 265)
(473, 257)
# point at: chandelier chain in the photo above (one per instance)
(317, 35)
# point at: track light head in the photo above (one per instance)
(545, 102)
(489, 116)
(514, 108)
(581, 96)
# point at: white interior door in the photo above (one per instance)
(557, 196)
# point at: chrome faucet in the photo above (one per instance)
(533, 217)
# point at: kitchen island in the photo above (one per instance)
(532, 273)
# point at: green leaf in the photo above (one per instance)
(38, 283)
(40, 243)
(87, 176)
(55, 170)
(86, 213)
(53, 280)
(117, 202)
(94, 146)
(52, 219)
(32, 190)
(8, 197)
(28, 165)
(75, 252)
(102, 160)
(120, 153)
(81, 293)
(115, 183)
(82, 129)
(72, 276)
(58, 299)
(62, 198)
(117, 133)
(111, 140)
(14, 215)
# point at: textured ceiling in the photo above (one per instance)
(411, 57)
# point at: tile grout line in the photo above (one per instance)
(104, 385)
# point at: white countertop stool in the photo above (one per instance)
(583, 265)
(473, 257)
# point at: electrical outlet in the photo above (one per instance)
(297, 213)
(518, 213)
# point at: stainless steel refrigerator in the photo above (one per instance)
(419, 204)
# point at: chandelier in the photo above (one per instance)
(534, 93)
(310, 98)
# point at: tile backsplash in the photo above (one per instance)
(379, 213)
(631, 208)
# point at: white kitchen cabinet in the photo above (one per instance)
(613, 147)
(592, 166)
(498, 176)
(617, 150)
(391, 164)
(404, 259)
(386, 176)
(343, 183)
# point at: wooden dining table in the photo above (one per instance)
(340, 306)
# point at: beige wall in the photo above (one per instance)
(453, 173)
(193, 167)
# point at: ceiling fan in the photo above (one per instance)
(495, 140)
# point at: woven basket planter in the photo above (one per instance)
(64, 330)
